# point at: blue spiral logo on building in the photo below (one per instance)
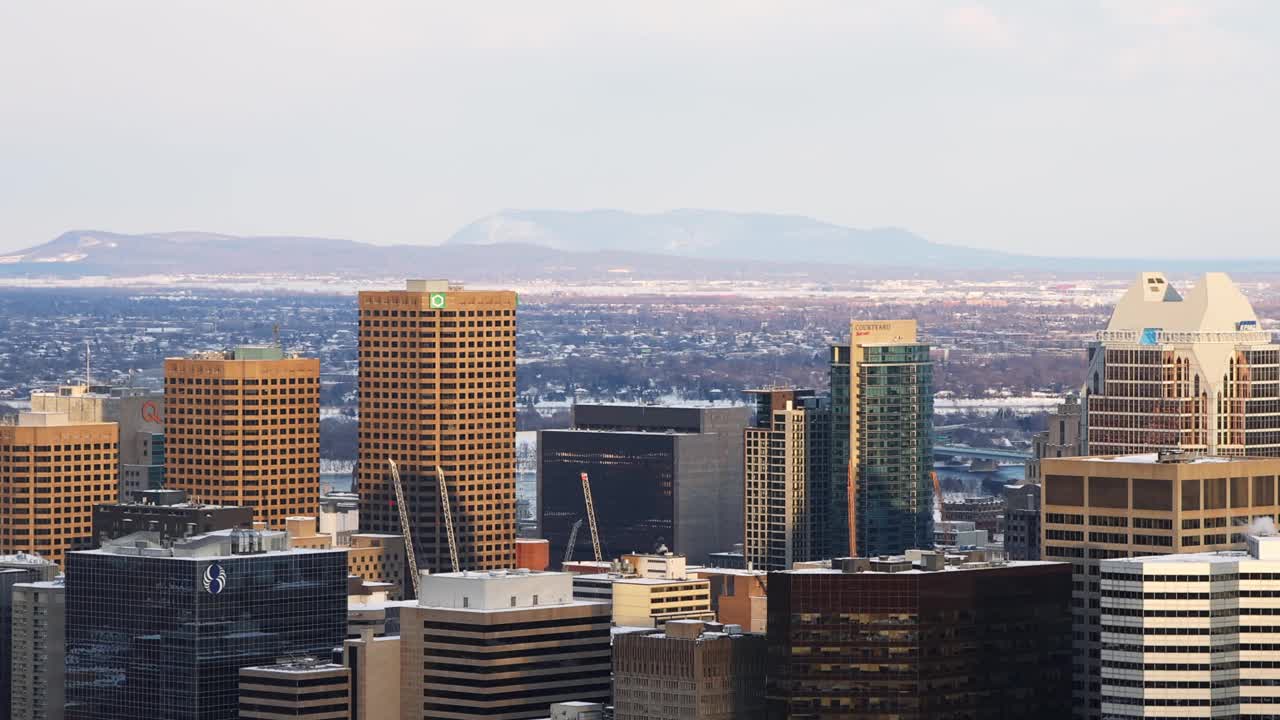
(215, 579)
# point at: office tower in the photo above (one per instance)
(1192, 635)
(168, 513)
(501, 644)
(690, 671)
(137, 411)
(1099, 508)
(52, 471)
(921, 637)
(14, 570)
(882, 440)
(788, 479)
(38, 650)
(243, 428)
(295, 688)
(1064, 436)
(1191, 372)
(660, 476)
(374, 663)
(340, 516)
(438, 389)
(738, 597)
(1022, 522)
(161, 629)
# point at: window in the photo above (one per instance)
(466, 601)
(513, 601)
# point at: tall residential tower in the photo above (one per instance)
(882, 442)
(438, 389)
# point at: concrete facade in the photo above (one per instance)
(1101, 508)
(692, 671)
(1064, 437)
(374, 663)
(301, 688)
(39, 650)
(501, 646)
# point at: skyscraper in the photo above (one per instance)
(1100, 508)
(882, 402)
(788, 479)
(243, 428)
(1193, 372)
(660, 476)
(52, 472)
(15, 570)
(437, 389)
(1063, 437)
(161, 630)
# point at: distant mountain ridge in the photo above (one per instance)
(715, 234)
(562, 245)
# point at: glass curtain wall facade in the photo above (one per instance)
(147, 639)
(894, 503)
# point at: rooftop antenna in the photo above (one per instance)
(88, 374)
(275, 335)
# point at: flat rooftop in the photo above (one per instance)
(916, 570)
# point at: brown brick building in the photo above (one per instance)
(52, 472)
(437, 388)
(243, 428)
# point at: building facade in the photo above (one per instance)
(38, 650)
(501, 645)
(1063, 436)
(14, 571)
(882, 401)
(299, 688)
(1022, 521)
(919, 639)
(161, 630)
(787, 472)
(437, 390)
(168, 513)
(374, 664)
(1193, 372)
(1101, 508)
(52, 471)
(243, 428)
(691, 671)
(138, 412)
(1192, 635)
(660, 476)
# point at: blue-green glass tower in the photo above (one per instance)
(882, 401)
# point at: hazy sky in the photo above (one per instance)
(1118, 127)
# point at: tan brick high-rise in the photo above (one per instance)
(52, 472)
(437, 387)
(243, 428)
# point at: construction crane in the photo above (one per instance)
(573, 538)
(404, 524)
(448, 517)
(591, 517)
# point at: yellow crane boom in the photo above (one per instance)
(591, 517)
(448, 517)
(404, 524)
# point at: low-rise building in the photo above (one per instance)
(691, 671)
(297, 688)
(738, 597)
(166, 512)
(374, 557)
(501, 644)
(374, 664)
(1022, 522)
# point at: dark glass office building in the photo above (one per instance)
(659, 476)
(893, 641)
(160, 633)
